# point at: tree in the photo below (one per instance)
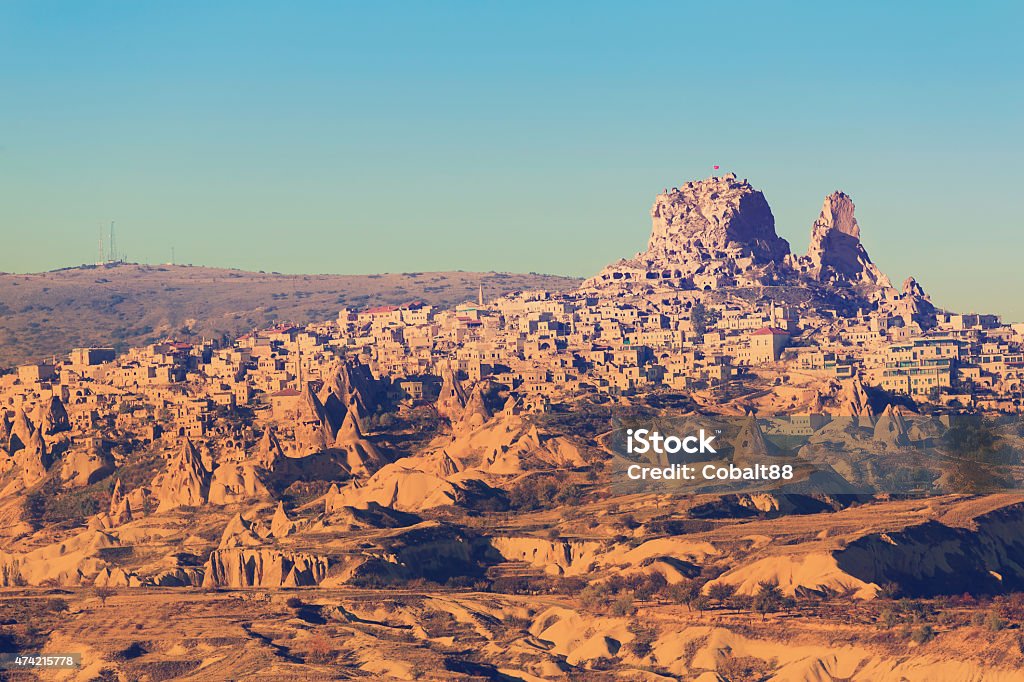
(103, 593)
(768, 598)
(721, 592)
(923, 634)
(703, 319)
(684, 592)
(623, 605)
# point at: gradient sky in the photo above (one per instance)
(530, 136)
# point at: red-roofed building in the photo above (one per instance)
(766, 344)
(774, 331)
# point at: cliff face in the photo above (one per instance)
(711, 217)
(835, 253)
(705, 235)
(238, 567)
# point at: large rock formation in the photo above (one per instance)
(360, 455)
(720, 232)
(34, 459)
(717, 214)
(237, 481)
(314, 427)
(242, 567)
(452, 398)
(84, 466)
(476, 413)
(52, 417)
(20, 431)
(912, 304)
(835, 253)
(708, 233)
(184, 482)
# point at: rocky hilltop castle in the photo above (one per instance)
(720, 233)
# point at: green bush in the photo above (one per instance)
(923, 634)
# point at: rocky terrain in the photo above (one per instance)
(835, 252)
(123, 305)
(323, 519)
(502, 548)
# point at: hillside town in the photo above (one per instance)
(715, 322)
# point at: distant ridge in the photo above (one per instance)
(125, 305)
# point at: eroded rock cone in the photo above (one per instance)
(120, 508)
(854, 403)
(452, 399)
(280, 525)
(53, 417)
(836, 252)
(313, 429)
(361, 456)
(891, 428)
(21, 431)
(240, 532)
(476, 412)
(749, 443)
(184, 482)
(268, 453)
(33, 459)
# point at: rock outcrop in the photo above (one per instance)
(240, 532)
(720, 233)
(706, 234)
(268, 453)
(314, 429)
(52, 417)
(20, 430)
(241, 567)
(749, 444)
(891, 428)
(184, 482)
(237, 481)
(33, 460)
(836, 254)
(476, 413)
(853, 401)
(360, 455)
(398, 486)
(85, 466)
(452, 398)
(912, 304)
(280, 525)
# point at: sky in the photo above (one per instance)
(363, 137)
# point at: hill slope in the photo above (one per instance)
(128, 305)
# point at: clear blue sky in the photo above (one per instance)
(364, 137)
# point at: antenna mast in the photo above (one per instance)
(113, 244)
